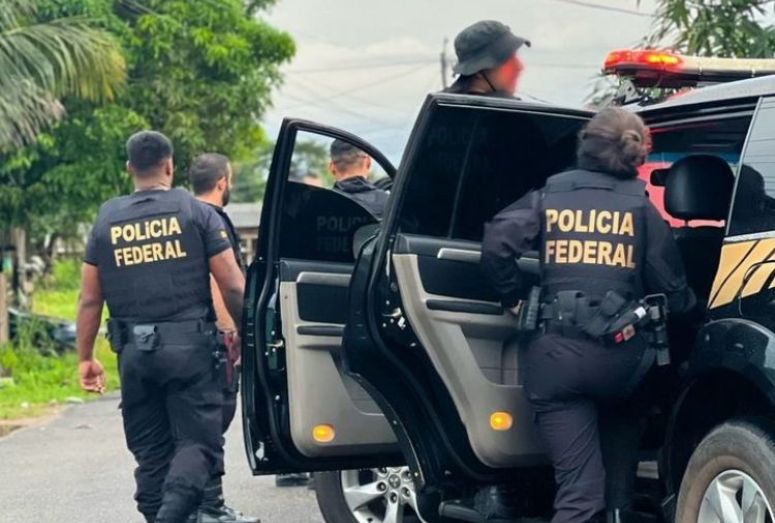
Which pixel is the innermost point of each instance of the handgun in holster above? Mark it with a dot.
(656, 330)
(116, 335)
(529, 312)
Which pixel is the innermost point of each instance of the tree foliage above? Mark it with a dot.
(201, 72)
(44, 59)
(724, 28)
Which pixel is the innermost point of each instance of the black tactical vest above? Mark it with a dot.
(593, 234)
(152, 261)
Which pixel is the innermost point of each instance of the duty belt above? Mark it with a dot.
(148, 335)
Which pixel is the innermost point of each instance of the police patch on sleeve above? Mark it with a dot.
(223, 234)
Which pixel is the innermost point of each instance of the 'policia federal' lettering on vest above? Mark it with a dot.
(591, 252)
(126, 237)
(593, 232)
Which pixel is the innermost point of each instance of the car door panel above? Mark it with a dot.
(472, 343)
(319, 392)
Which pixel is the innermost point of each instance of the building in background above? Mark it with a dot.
(246, 218)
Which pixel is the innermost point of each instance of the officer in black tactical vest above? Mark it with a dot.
(211, 179)
(603, 247)
(350, 168)
(149, 258)
(488, 64)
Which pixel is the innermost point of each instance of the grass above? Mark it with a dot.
(40, 383)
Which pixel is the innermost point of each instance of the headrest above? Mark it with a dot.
(699, 187)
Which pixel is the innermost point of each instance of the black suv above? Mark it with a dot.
(369, 346)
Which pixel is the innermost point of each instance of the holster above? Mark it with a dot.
(116, 335)
(529, 312)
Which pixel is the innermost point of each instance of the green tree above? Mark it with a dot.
(201, 72)
(724, 28)
(44, 60)
(309, 156)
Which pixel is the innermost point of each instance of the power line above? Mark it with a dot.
(354, 67)
(355, 89)
(592, 5)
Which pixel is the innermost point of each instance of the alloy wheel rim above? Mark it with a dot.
(384, 495)
(734, 497)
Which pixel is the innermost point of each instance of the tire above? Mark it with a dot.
(374, 496)
(732, 471)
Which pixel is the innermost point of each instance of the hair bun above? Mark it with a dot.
(631, 136)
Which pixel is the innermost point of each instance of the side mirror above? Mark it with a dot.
(363, 235)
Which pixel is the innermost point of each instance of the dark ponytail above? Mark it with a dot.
(615, 141)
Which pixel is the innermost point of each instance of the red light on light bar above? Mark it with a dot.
(656, 59)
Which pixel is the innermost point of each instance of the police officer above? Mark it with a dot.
(350, 168)
(211, 179)
(149, 257)
(488, 63)
(603, 246)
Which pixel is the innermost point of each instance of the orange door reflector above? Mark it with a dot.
(501, 421)
(323, 433)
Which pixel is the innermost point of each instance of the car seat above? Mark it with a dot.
(699, 187)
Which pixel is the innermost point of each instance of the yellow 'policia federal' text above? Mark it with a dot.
(591, 252)
(160, 228)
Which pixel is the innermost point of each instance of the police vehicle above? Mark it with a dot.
(378, 352)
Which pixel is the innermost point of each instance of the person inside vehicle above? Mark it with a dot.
(759, 211)
(603, 247)
(488, 63)
(351, 168)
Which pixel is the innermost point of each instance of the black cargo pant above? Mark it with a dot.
(213, 494)
(172, 406)
(576, 388)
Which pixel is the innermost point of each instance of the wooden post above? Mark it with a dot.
(3, 309)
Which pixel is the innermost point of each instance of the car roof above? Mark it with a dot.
(741, 89)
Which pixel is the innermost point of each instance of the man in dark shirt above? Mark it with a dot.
(149, 257)
(210, 178)
(351, 168)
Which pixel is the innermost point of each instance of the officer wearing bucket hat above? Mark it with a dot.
(487, 60)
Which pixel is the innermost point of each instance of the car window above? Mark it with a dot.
(474, 162)
(672, 141)
(331, 194)
(754, 204)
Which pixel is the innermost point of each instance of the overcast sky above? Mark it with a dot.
(366, 65)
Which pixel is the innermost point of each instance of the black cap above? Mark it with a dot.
(485, 45)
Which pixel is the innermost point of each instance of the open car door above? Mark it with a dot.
(427, 335)
(301, 411)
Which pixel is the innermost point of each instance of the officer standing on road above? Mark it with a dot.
(149, 257)
(210, 177)
(350, 168)
(487, 60)
(603, 246)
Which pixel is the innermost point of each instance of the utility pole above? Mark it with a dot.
(444, 63)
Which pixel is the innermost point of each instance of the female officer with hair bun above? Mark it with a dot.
(603, 246)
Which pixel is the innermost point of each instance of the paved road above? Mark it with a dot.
(76, 469)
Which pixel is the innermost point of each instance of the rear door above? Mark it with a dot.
(428, 336)
(301, 411)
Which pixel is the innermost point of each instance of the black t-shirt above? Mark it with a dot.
(152, 251)
(366, 193)
(234, 237)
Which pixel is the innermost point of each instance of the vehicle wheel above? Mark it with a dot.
(384, 495)
(730, 477)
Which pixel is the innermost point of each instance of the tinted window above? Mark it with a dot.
(475, 162)
(320, 217)
(672, 141)
(754, 205)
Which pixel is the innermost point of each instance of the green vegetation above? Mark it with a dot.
(201, 72)
(44, 60)
(39, 380)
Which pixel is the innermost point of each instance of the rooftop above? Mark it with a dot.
(244, 215)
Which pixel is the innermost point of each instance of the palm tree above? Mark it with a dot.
(42, 62)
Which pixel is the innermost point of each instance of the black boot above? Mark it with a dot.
(177, 506)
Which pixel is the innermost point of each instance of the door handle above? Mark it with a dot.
(459, 255)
